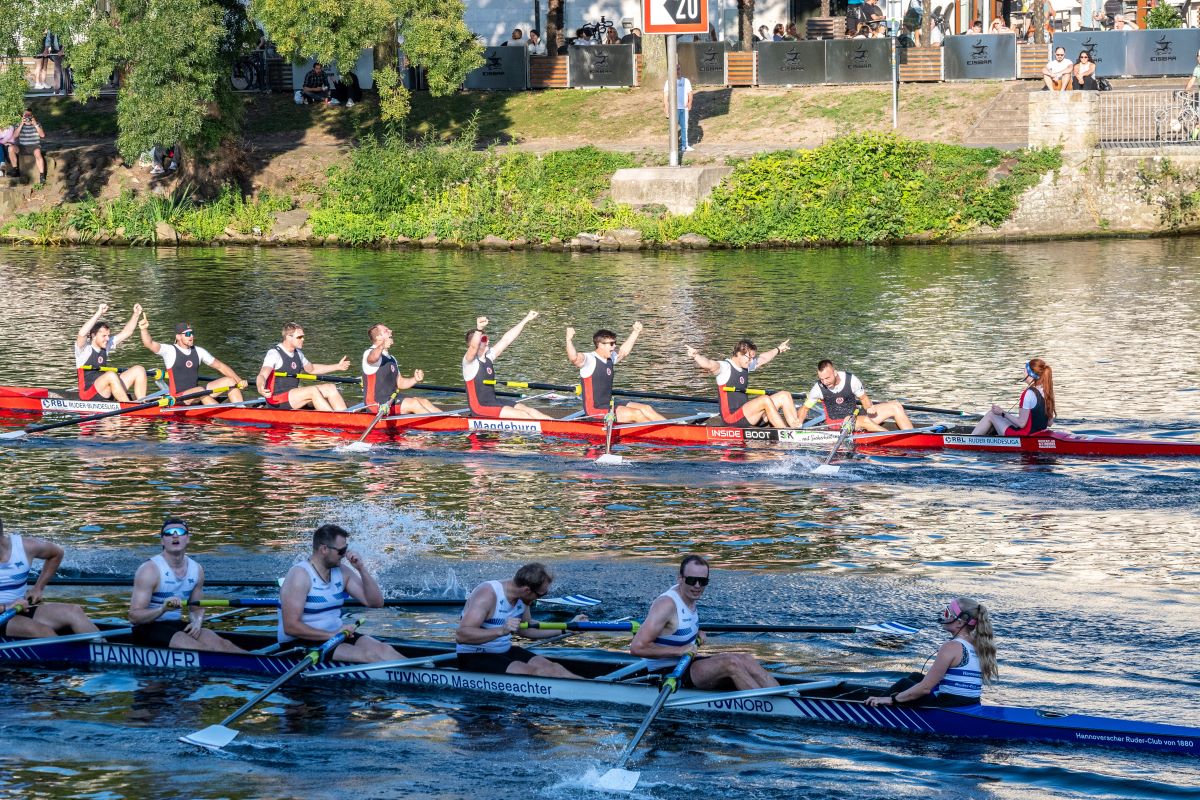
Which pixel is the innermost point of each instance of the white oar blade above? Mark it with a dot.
(609, 460)
(13, 435)
(826, 469)
(570, 600)
(898, 628)
(618, 780)
(214, 737)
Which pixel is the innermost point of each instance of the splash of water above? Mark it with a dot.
(384, 533)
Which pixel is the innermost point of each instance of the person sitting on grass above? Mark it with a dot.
(316, 85)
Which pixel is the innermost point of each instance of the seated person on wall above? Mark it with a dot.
(976, 28)
(517, 38)
(1122, 24)
(28, 139)
(1083, 74)
(1058, 73)
(634, 37)
(316, 85)
(777, 34)
(792, 35)
(763, 35)
(582, 39)
(863, 32)
(873, 15)
(998, 26)
(536, 46)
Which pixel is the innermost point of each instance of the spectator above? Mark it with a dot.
(791, 35)
(28, 138)
(262, 52)
(938, 30)
(763, 35)
(634, 37)
(913, 18)
(976, 27)
(50, 56)
(610, 36)
(683, 105)
(346, 90)
(536, 46)
(1191, 84)
(516, 40)
(316, 85)
(1119, 23)
(777, 34)
(1083, 75)
(1057, 74)
(164, 159)
(8, 157)
(998, 26)
(872, 14)
(582, 39)
(863, 32)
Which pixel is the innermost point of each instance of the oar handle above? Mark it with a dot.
(429, 387)
(953, 412)
(553, 387)
(676, 675)
(305, 376)
(624, 626)
(17, 608)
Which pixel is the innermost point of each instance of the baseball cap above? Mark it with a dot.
(183, 327)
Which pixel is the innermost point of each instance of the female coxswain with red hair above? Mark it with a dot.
(1035, 409)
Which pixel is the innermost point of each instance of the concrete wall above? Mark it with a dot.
(1069, 119)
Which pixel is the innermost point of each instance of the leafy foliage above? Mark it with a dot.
(1163, 15)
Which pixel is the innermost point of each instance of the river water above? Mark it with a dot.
(1089, 566)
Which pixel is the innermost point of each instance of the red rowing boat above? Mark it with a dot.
(18, 400)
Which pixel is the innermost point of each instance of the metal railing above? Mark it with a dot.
(1148, 118)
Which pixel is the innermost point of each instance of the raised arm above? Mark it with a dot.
(706, 364)
(81, 339)
(627, 345)
(573, 355)
(127, 330)
(769, 356)
(325, 369)
(474, 350)
(144, 332)
(363, 586)
(511, 335)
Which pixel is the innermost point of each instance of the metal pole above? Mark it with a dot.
(895, 85)
(673, 96)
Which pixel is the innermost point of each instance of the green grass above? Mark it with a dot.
(64, 116)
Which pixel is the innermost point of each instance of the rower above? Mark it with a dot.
(672, 630)
(596, 375)
(479, 373)
(162, 586)
(961, 666)
(93, 350)
(36, 619)
(738, 408)
(382, 378)
(493, 612)
(310, 600)
(1036, 406)
(837, 392)
(183, 359)
(285, 391)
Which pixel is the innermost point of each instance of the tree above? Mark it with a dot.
(746, 24)
(1163, 16)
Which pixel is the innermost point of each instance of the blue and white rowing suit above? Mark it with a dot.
(965, 680)
(687, 622)
(14, 573)
(323, 605)
(171, 585)
(504, 612)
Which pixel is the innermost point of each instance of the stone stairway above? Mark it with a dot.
(1005, 122)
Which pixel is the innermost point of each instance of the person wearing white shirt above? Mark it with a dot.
(536, 46)
(182, 361)
(839, 392)
(1057, 74)
(683, 106)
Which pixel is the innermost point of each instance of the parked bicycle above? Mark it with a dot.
(249, 73)
(598, 31)
(1179, 121)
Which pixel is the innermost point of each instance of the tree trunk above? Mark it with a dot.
(927, 23)
(1039, 21)
(825, 12)
(746, 24)
(554, 23)
(654, 62)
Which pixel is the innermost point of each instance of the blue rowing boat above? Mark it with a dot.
(618, 678)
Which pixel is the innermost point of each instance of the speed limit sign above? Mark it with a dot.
(675, 16)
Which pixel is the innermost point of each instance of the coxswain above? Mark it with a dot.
(182, 361)
(93, 351)
(479, 373)
(737, 407)
(672, 630)
(285, 391)
(162, 587)
(596, 370)
(494, 612)
(36, 619)
(311, 598)
(1035, 412)
(961, 666)
(382, 379)
(839, 392)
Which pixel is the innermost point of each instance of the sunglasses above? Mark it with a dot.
(695, 580)
(175, 532)
(188, 332)
(536, 593)
(341, 551)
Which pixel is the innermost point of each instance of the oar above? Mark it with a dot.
(73, 637)
(395, 602)
(607, 458)
(953, 412)
(576, 389)
(383, 410)
(827, 468)
(769, 691)
(217, 736)
(304, 376)
(429, 387)
(163, 402)
(898, 628)
(619, 779)
(588, 625)
(12, 612)
(690, 418)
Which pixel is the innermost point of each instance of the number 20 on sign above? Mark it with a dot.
(675, 16)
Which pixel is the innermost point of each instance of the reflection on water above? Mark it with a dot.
(1088, 564)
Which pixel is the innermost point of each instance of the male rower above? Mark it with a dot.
(737, 407)
(479, 373)
(382, 378)
(596, 375)
(672, 629)
(493, 613)
(182, 361)
(165, 584)
(285, 391)
(36, 619)
(311, 598)
(93, 351)
(838, 392)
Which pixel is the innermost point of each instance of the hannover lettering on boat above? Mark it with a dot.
(77, 406)
(984, 441)
(506, 425)
(474, 683)
(143, 656)
(723, 434)
(1127, 738)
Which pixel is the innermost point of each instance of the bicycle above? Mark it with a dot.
(598, 31)
(1179, 121)
(248, 73)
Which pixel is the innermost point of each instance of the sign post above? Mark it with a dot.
(673, 17)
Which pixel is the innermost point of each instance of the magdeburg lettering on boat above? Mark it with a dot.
(506, 425)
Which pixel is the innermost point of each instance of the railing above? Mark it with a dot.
(1154, 118)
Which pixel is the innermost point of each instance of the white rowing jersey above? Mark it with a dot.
(171, 585)
(14, 573)
(504, 611)
(964, 680)
(322, 605)
(687, 622)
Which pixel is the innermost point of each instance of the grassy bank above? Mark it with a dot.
(857, 188)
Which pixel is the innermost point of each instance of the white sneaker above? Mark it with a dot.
(156, 169)
(334, 103)
(349, 103)
(172, 166)
(688, 149)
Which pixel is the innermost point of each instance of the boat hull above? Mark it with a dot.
(823, 705)
(28, 400)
